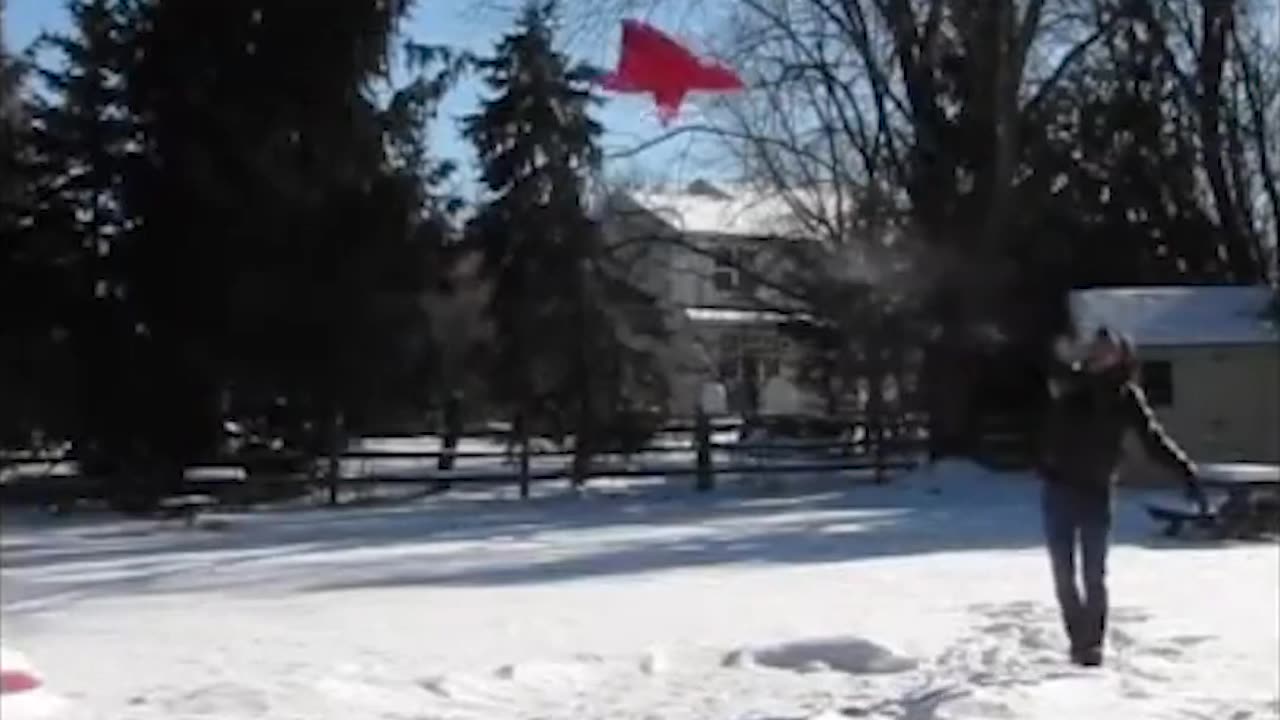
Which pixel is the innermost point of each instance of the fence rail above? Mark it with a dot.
(1007, 441)
(698, 450)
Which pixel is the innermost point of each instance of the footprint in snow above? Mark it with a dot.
(851, 656)
(1190, 641)
(1129, 615)
(218, 700)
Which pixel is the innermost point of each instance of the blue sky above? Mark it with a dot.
(628, 121)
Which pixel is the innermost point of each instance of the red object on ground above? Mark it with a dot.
(15, 681)
(652, 62)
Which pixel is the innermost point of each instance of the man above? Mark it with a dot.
(1094, 403)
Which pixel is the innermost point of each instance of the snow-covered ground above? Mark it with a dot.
(926, 599)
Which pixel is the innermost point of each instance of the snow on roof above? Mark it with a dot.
(707, 210)
(705, 214)
(1179, 315)
(731, 315)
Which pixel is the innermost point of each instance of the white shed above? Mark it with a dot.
(1210, 363)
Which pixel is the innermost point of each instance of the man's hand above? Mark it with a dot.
(1195, 493)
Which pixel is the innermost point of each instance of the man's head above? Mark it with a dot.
(1102, 352)
(1107, 351)
(1105, 356)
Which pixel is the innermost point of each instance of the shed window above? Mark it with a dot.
(1157, 382)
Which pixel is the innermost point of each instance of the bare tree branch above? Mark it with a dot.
(1263, 132)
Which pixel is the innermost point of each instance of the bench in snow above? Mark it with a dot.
(185, 507)
(1240, 517)
(1251, 507)
(1176, 518)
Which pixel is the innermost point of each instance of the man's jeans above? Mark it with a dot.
(1079, 518)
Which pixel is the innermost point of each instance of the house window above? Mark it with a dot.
(730, 356)
(724, 279)
(1157, 382)
(730, 345)
(727, 369)
(725, 275)
(772, 366)
(746, 280)
(728, 275)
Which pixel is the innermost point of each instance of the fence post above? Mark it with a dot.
(452, 422)
(522, 437)
(878, 449)
(335, 456)
(702, 443)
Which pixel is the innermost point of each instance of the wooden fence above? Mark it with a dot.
(702, 451)
(1006, 441)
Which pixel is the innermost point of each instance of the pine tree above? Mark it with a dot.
(230, 210)
(68, 236)
(302, 207)
(10, 80)
(557, 306)
(11, 139)
(20, 334)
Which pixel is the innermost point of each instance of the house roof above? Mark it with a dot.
(732, 315)
(742, 316)
(703, 209)
(1184, 315)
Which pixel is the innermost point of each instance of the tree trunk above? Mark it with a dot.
(585, 430)
(950, 379)
(521, 429)
(1216, 24)
(581, 458)
(876, 421)
(1259, 137)
(452, 422)
(702, 443)
(336, 437)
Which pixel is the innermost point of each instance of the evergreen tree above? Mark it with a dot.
(11, 138)
(301, 205)
(17, 339)
(229, 209)
(10, 81)
(560, 310)
(65, 238)
(8, 77)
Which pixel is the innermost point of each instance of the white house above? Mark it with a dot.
(1210, 363)
(690, 249)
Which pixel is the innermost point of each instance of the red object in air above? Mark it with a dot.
(16, 681)
(652, 62)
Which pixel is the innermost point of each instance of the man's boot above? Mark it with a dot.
(1092, 632)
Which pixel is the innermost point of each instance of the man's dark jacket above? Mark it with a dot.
(1083, 439)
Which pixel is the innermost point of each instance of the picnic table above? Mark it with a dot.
(1249, 508)
(185, 507)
